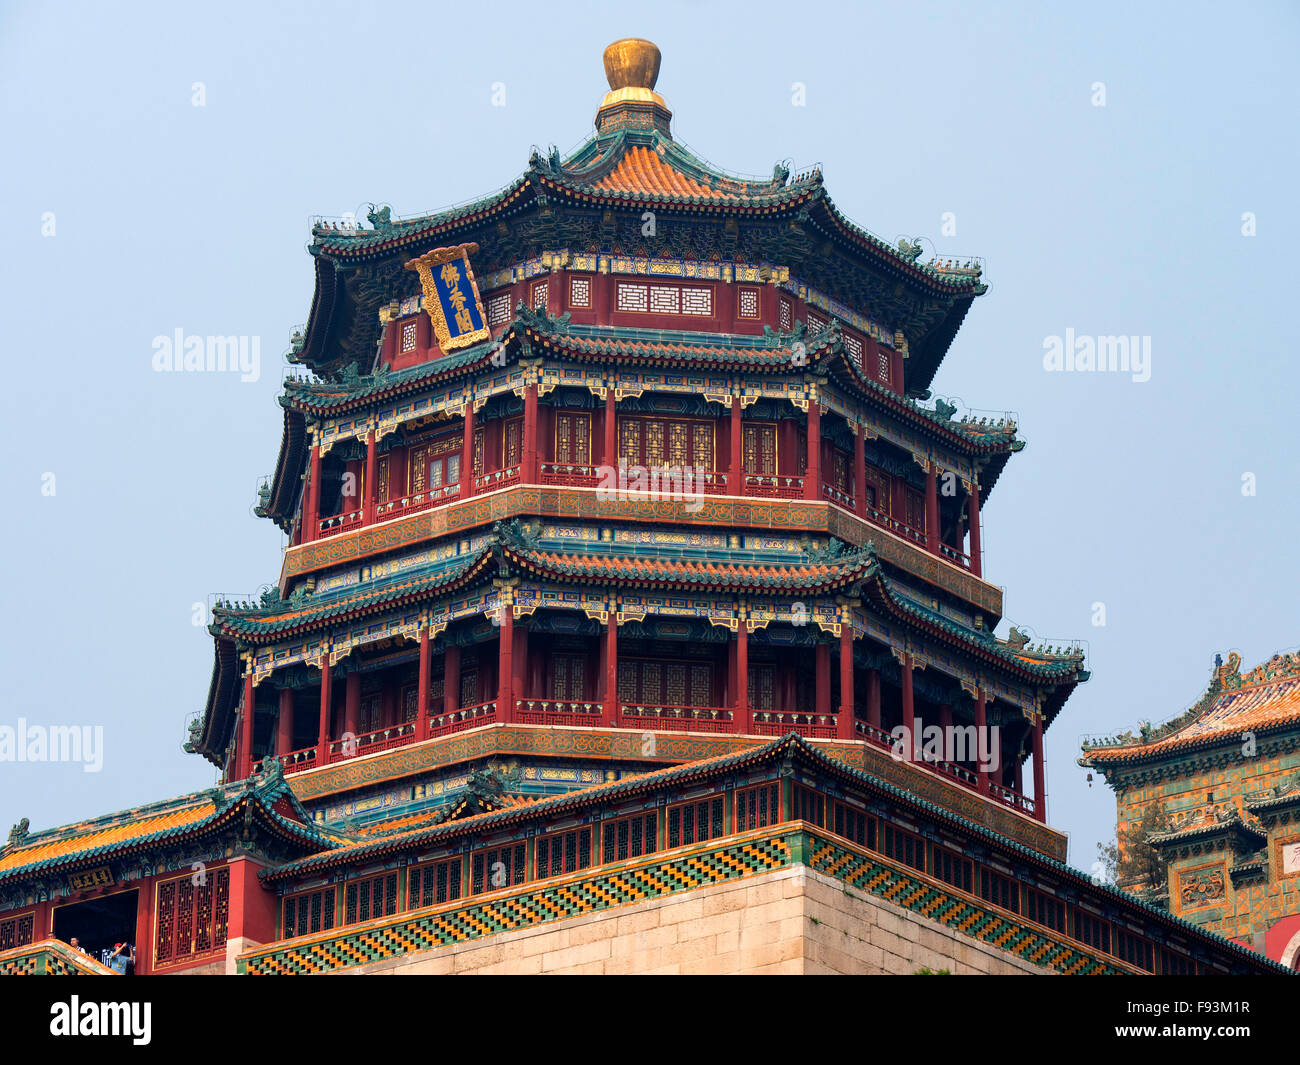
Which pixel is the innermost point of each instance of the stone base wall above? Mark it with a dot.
(788, 921)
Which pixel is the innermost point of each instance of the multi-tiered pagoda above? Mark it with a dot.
(627, 565)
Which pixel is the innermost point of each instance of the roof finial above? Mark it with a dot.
(632, 68)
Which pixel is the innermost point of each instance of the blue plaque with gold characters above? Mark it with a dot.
(451, 296)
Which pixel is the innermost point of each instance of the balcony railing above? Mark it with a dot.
(715, 483)
(774, 487)
(396, 508)
(490, 482)
(557, 712)
(779, 722)
(879, 517)
(843, 499)
(459, 720)
(297, 761)
(337, 523)
(1012, 798)
(568, 474)
(677, 718)
(953, 555)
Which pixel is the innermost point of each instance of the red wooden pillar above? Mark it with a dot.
(467, 449)
(352, 702)
(372, 477)
(602, 285)
(873, 698)
(740, 700)
(312, 498)
(822, 662)
(609, 711)
(323, 736)
(245, 760)
(422, 702)
(812, 480)
(284, 723)
(909, 714)
(981, 732)
(931, 509)
(860, 471)
(846, 728)
(736, 467)
(609, 456)
(973, 516)
(505, 660)
(144, 941)
(528, 474)
(1040, 783)
(451, 679)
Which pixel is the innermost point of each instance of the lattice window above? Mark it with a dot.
(758, 807)
(816, 323)
(469, 687)
(374, 896)
(951, 868)
(758, 447)
(697, 301)
(478, 452)
(498, 309)
(678, 433)
(539, 296)
(1090, 929)
(513, 447)
(410, 703)
(312, 911)
(761, 686)
(882, 365)
(633, 297)
(408, 336)
(434, 883)
(701, 686)
(417, 471)
(17, 931)
(999, 890)
(915, 510)
(563, 852)
(694, 822)
(381, 486)
(747, 303)
(855, 825)
(627, 682)
(654, 443)
(903, 846)
(665, 299)
(675, 684)
(573, 439)
(371, 711)
(787, 314)
(630, 837)
(498, 867)
(569, 677)
(703, 446)
(192, 918)
(629, 441)
(854, 347)
(839, 470)
(579, 292)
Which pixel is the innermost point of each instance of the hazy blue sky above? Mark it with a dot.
(1116, 219)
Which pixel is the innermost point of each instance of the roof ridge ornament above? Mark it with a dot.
(632, 68)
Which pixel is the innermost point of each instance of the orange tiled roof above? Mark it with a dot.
(1266, 697)
(90, 837)
(641, 170)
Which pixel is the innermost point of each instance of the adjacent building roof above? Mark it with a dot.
(1265, 699)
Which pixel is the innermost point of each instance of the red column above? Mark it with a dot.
(352, 702)
(909, 715)
(1040, 784)
(422, 703)
(528, 475)
(323, 736)
(602, 285)
(860, 471)
(451, 679)
(311, 500)
(931, 509)
(873, 698)
(505, 662)
(740, 701)
(822, 661)
(284, 723)
(981, 730)
(736, 467)
(245, 760)
(372, 476)
(846, 728)
(144, 930)
(467, 451)
(609, 456)
(973, 516)
(812, 480)
(610, 712)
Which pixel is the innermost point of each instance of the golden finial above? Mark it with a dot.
(632, 62)
(632, 68)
